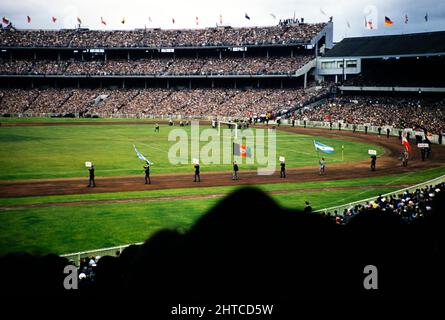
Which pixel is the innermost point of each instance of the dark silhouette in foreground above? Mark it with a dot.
(249, 247)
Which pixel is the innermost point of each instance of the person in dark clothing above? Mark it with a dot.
(379, 130)
(293, 121)
(366, 129)
(423, 153)
(156, 127)
(387, 132)
(354, 128)
(330, 125)
(235, 171)
(282, 169)
(440, 138)
(147, 174)
(91, 182)
(339, 126)
(373, 162)
(305, 123)
(307, 208)
(197, 176)
(400, 134)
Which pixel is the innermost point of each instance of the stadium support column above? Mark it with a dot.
(305, 80)
(123, 84)
(281, 84)
(190, 84)
(128, 55)
(267, 54)
(105, 57)
(292, 53)
(220, 54)
(145, 84)
(234, 85)
(168, 84)
(58, 56)
(78, 83)
(213, 84)
(35, 55)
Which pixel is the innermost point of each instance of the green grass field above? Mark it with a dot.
(61, 151)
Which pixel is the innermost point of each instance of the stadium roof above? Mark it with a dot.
(414, 44)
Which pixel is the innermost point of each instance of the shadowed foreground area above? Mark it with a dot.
(249, 247)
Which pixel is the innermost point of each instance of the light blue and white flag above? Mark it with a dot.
(322, 147)
(140, 156)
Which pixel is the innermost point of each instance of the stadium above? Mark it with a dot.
(121, 101)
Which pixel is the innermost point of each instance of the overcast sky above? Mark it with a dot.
(137, 14)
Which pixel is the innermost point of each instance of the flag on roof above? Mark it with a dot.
(197, 20)
(246, 16)
(5, 20)
(322, 147)
(78, 20)
(54, 19)
(28, 18)
(406, 18)
(426, 17)
(388, 21)
(103, 21)
(220, 19)
(273, 16)
(123, 20)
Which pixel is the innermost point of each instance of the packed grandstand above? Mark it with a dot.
(222, 71)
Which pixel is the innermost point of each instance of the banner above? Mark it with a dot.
(141, 157)
(322, 147)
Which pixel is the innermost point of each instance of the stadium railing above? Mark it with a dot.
(359, 128)
(111, 251)
(340, 208)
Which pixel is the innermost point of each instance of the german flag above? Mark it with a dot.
(388, 21)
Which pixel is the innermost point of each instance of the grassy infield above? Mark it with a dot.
(37, 152)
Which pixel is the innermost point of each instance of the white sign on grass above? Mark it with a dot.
(88, 164)
(372, 152)
(195, 161)
(282, 159)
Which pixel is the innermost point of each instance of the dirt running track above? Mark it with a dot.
(388, 164)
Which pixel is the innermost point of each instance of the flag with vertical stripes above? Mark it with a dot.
(242, 150)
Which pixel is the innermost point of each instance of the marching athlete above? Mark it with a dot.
(197, 176)
(91, 182)
(147, 173)
(235, 171)
(282, 169)
(322, 166)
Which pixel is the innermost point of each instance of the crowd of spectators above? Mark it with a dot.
(179, 66)
(153, 101)
(284, 34)
(399, 112)
(409, 206)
